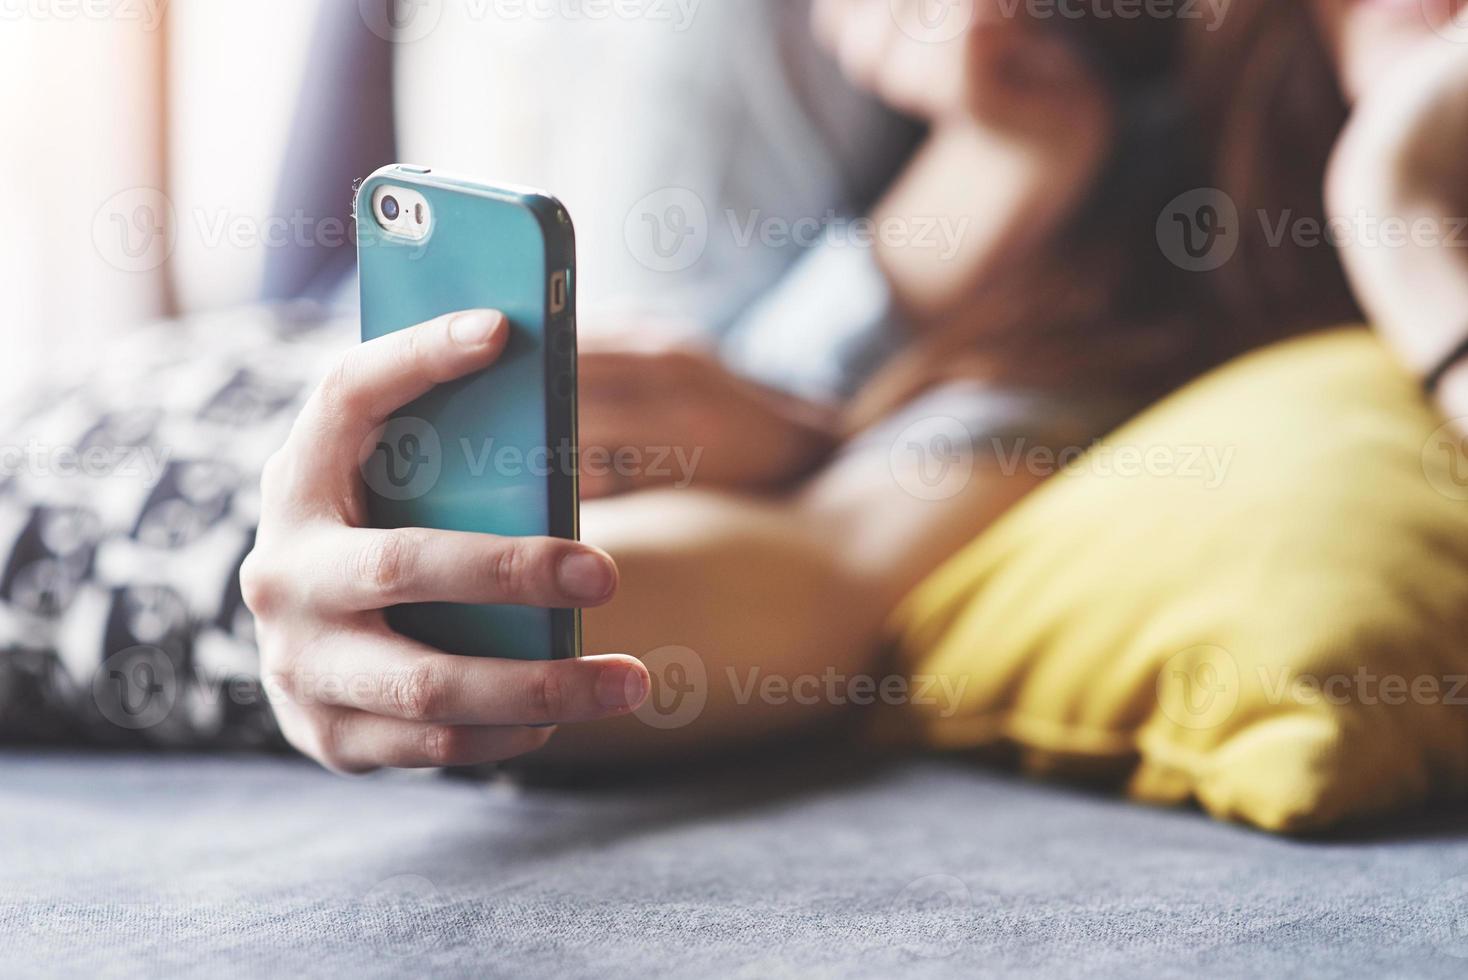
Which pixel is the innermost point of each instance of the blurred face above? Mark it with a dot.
(1367, 37)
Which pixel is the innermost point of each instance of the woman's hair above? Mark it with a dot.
(1268, 110)
(1250, 109)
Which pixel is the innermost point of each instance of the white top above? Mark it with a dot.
(681, 140)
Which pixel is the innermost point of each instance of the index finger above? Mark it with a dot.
(373, 381)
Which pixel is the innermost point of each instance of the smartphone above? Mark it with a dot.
(494, 453)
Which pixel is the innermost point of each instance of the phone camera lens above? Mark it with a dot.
(390, 209)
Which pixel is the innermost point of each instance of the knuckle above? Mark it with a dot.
(279, 684)
(286, 666)
(327, 740)
(339, 392)
(259, 585)
(416, 693)
(292, 728)
(386, 564)
(509, 568)
(330, 745)
(412, 350)
(335, 385)
(273, 475)
(547, 695)
(445, 745)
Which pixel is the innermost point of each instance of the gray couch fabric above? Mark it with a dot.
(137, 865)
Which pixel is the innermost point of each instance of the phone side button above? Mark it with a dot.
(564, 341)
(564, 387)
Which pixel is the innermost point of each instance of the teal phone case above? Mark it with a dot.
(494, 453)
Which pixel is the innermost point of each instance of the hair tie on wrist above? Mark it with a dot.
(1433, 378)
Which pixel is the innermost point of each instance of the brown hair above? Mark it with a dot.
(1269, 110)
(1251, 109)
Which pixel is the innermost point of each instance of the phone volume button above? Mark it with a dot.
(564, 387)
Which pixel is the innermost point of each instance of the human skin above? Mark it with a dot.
(793, 588)
(796, 584)
(763, 562)
(801, 584)
(1405, 69)
(346, 689)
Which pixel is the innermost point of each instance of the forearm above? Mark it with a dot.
(746, 591)
(793, 592)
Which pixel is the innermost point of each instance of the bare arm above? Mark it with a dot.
(792, 588)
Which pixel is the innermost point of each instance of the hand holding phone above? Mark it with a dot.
(494, 452)
(347, 689)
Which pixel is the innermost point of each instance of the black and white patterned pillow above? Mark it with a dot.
(128, 498)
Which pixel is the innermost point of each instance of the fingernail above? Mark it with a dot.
(587, 576)
(474, 328)
(621, 686)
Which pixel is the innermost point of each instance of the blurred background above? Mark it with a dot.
(174, 156)
(113, 103)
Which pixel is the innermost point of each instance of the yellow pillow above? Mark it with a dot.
(1254, 596)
